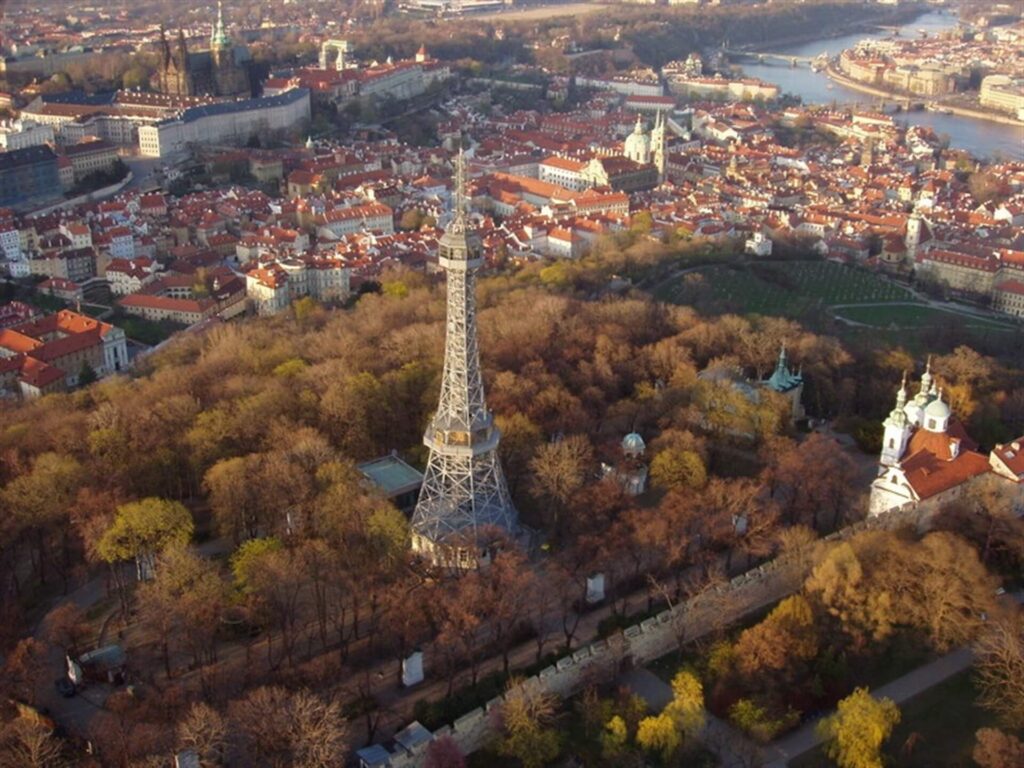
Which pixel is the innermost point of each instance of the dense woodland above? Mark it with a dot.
(243, 440)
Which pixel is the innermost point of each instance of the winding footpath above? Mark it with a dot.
(899, 690)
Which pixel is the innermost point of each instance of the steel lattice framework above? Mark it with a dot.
(464, 490)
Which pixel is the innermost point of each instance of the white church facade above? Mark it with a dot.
(928, 458)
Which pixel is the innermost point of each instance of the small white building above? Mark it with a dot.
(758, 245)
(127, 276)
(369, 217)
(267, 290)
(563, 171)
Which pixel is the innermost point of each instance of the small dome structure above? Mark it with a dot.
(936, 415)
(633, 445)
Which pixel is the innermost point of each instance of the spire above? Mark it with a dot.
(782, 379)
(898, 416)
(897, 428)
(165, 45)
(926, 378)
(219, 38)
(182, 51)
(639, 128)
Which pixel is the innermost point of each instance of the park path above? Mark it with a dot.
(974, 313)
(899, 690)
(732, 748)
(76, 714)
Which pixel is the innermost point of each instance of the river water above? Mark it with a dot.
(982, 138)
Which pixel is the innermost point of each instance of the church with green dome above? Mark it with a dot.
(787, 383)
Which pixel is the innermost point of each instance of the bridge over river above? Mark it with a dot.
(820, 61)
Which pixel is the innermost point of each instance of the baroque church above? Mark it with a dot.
(928, 458)
(641, 166)
(223, 70)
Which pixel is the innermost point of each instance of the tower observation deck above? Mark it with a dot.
(464, 496)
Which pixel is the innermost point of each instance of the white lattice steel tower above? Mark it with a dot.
(464, 489)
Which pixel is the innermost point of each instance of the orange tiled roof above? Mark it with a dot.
(1012, 456)
(929, 475)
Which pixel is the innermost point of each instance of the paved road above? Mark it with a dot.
(899, 690)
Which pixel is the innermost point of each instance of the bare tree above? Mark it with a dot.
(1000, 668)
(28, 744)
(203, 730)
(277, 727)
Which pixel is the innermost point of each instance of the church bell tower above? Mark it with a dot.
(897, 429)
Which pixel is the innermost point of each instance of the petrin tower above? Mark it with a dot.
(464, 491)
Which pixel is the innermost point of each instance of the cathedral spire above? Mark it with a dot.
(219, 38)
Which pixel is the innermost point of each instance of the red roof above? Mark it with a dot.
(143, 301)
(938, 461)
(38, 374)
(1012, 457)
(1011, 286)
(929, 475)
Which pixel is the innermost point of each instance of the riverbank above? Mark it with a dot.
(856, 85)
(890, 18)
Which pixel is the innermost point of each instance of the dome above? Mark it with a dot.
(633, 444)
(936, 415)
(937, 409)
(637, 146)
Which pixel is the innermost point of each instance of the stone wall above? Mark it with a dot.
(655, 637)
(88, 197)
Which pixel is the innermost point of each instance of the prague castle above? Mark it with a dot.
(223, 70)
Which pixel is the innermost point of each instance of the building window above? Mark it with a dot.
(931, 423)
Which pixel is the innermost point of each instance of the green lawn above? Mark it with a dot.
(937, 729)
(796, 288)
(788, 288)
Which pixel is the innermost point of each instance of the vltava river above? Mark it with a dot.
(982, 138)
